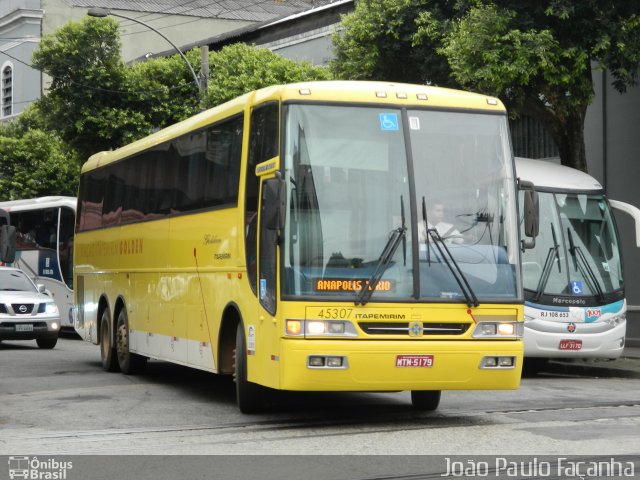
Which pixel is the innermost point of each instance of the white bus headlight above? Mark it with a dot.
(498, 330)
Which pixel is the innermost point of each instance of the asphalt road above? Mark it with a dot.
(60, 402)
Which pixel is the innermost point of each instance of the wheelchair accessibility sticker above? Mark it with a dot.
(389, 121)
(576, 287)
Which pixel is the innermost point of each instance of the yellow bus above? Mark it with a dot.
(287, 238)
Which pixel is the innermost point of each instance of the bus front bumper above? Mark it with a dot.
(399, 365)
(595, 340)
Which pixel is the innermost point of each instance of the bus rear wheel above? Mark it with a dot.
(129, 363)
(249, 396)
(107, 350)
(425, 401)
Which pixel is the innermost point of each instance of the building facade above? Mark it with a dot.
(24, 22)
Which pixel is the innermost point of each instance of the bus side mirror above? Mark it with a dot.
(531, 210)
(7, 243)
(274, 197)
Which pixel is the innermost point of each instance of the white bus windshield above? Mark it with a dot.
(349, 171)
(578, 236)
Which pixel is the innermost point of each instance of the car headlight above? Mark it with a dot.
(498, 330)
(51, 309)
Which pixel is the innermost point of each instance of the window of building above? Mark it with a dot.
(7, 91)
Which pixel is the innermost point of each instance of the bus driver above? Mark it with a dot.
(435, 219)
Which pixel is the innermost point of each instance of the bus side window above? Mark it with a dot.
(263, 145)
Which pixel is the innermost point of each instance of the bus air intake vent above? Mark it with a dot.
(382, 328)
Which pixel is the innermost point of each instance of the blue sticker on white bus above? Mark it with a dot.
(389, 121)
(576, 287)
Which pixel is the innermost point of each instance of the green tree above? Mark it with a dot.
(537, 56)
(35, 162)
(376, 42)
(88, 100)
(239, 68)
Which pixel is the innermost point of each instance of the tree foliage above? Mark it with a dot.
(88, 102)
(35, 162)
(535, 55)
(239, 68)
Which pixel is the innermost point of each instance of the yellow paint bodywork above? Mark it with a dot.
(177, 276)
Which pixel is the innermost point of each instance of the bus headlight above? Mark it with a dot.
(319, 328)
(498, 330)
(617, 320)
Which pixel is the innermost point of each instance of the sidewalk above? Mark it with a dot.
(631, 352)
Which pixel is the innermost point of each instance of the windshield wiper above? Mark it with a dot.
(548, 265)
(438, 241)
(388, 251)
(583, 265)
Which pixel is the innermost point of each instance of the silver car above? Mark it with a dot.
(26, 311)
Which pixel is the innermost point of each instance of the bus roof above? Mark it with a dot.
(39, 203)
(362, 92)
(547, 175)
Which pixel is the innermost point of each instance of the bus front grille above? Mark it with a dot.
(428, 328)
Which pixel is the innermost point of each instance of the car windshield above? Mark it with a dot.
(14, 280)
(354, 219)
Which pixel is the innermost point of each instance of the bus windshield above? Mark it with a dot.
(358, 176)
(578, 236)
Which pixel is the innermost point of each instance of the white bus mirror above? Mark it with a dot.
(531, 210)
(7, 243)
(630, 210)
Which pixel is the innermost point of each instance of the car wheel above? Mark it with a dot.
(249, 396)
(46, 343)
(129, 363)
(107, 350)
(425, 400)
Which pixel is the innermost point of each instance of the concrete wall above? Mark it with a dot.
(612, 136)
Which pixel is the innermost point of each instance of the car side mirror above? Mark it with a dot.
(41, 288)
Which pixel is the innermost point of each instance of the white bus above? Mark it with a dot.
(574, 288)
(44, 240)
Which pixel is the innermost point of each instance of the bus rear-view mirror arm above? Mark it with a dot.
(531, 212)
(630, 210)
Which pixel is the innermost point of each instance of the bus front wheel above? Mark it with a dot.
(129, 363)
(107, 350)
(425, 401)
(250, 396)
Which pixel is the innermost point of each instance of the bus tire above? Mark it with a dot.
(249, 396)
(46, 343)
(107, 350)
(531, 366)
(425, 400)
(129, 363)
